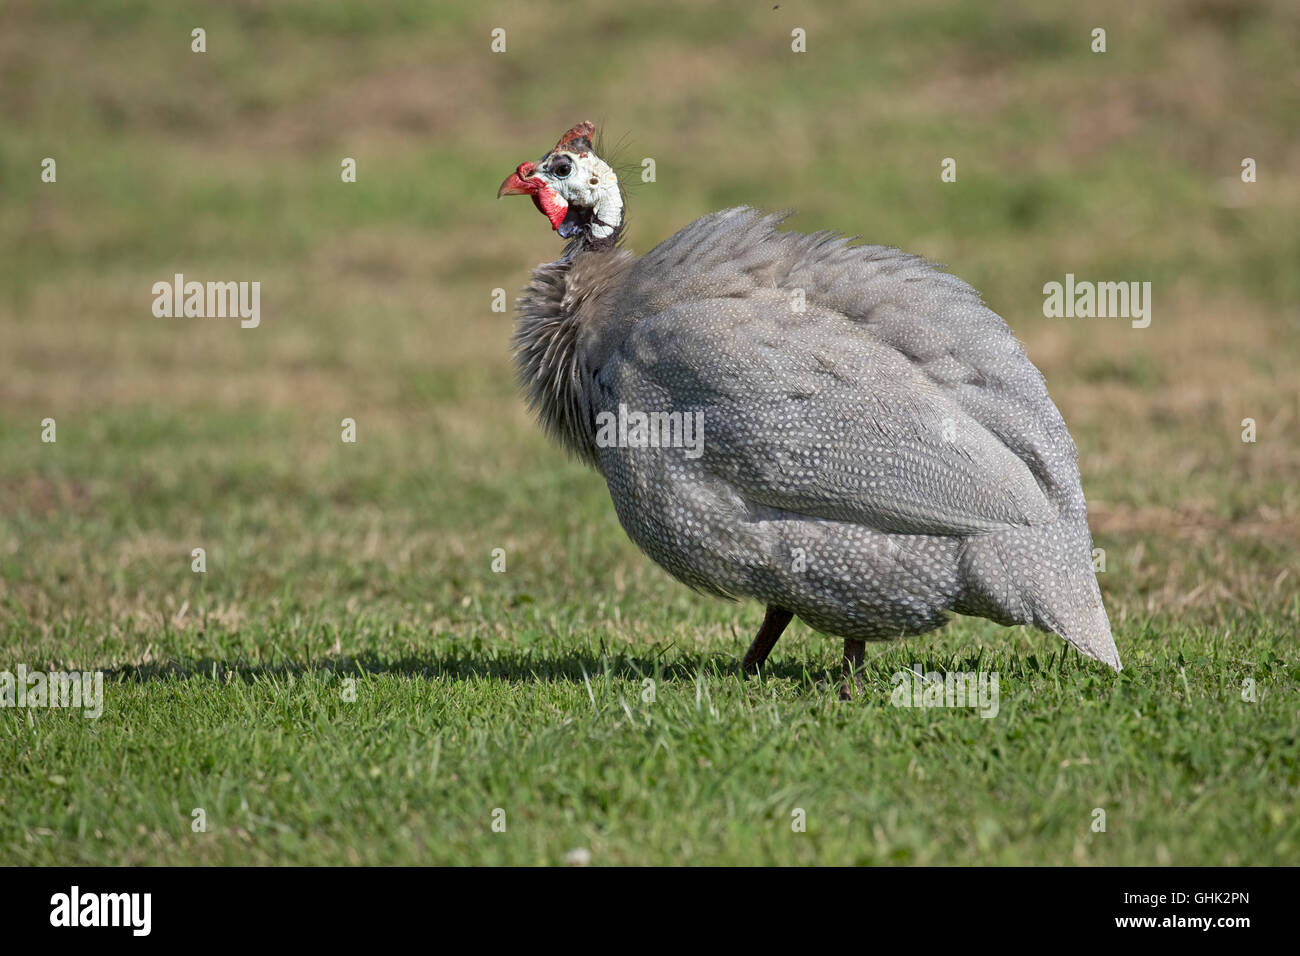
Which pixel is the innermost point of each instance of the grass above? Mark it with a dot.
(558, 733)
(351, 681)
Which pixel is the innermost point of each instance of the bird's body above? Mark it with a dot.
(874, 449)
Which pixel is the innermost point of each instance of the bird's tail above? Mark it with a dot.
(1072, 608)
(1042, 576)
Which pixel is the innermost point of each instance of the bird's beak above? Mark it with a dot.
(516, 183)
(526, 181)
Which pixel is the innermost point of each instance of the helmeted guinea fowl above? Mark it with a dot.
(876, 451)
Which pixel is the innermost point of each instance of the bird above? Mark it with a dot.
(842, 432)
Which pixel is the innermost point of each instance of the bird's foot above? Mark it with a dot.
(774, 622)
(854, 652)
(852, 687)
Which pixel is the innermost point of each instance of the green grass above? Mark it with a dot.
(524, 690)
(447, 728)
(367, 568)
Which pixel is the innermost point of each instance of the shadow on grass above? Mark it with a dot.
(518, 666)
(579, 666)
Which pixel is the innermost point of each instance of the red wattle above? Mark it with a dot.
(550, 205)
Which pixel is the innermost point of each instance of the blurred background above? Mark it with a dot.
(376, 295)
(376, 300)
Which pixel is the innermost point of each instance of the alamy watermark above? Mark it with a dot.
(210, 300)
(79, 689)
(130, 910)
(974, 689)
(631, 429)
(1099, 300)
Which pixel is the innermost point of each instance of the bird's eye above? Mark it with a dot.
(561, 169)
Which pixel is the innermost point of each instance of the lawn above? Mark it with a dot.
(351, 680)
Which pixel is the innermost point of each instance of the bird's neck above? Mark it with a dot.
(559, 340)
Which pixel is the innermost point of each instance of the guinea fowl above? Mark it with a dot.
(874, 448)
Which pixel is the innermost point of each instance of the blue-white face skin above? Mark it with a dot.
(573, 187)
(588, 187)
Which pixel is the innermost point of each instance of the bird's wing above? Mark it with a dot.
(809, 413)
(932, 319)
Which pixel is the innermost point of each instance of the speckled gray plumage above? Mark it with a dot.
(871, 463)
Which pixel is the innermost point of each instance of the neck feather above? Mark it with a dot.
(563, 308)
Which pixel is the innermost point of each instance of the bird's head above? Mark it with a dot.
(572, 187)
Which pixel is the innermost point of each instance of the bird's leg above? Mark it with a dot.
(774, 623)
(854, 651)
